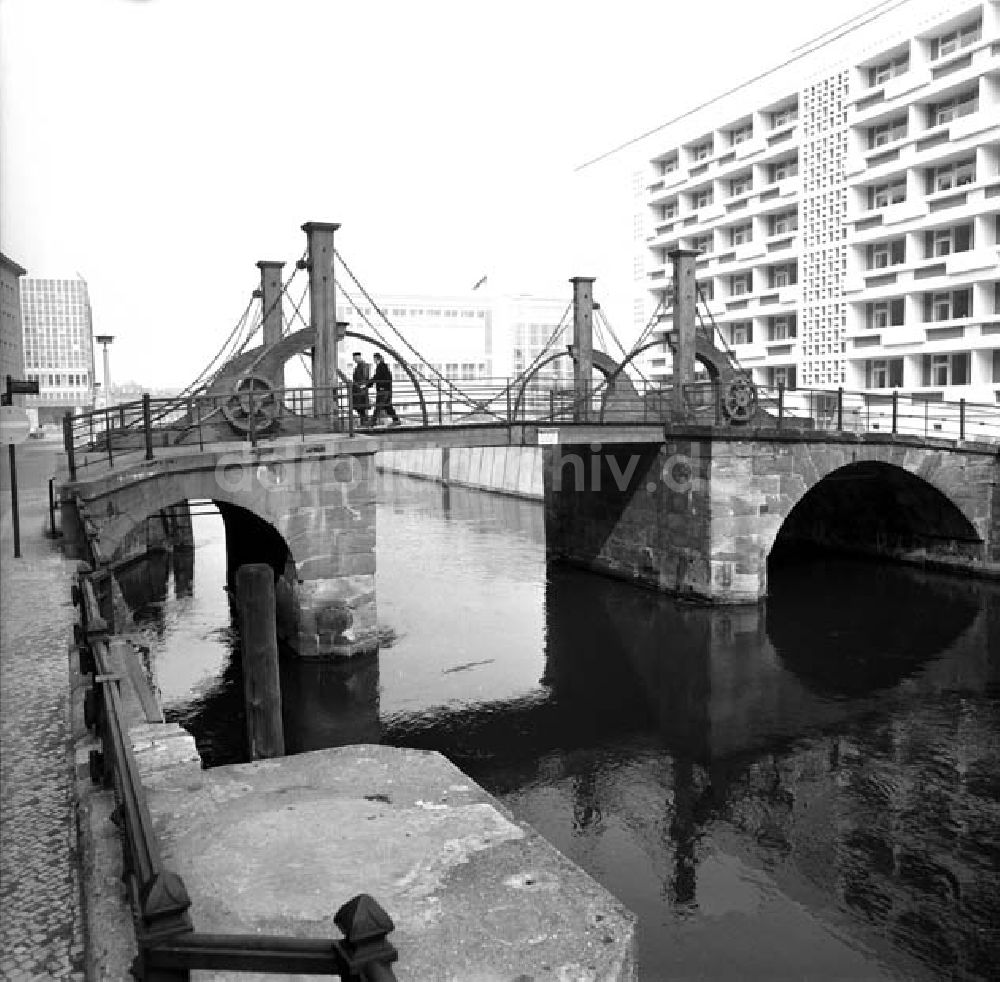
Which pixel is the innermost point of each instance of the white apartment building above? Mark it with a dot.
(846, 206)
(463, 338)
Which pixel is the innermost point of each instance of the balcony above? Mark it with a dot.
(904, 211)
(973, 260)
(893, 337)
(903, 84)
(749, 250)
(974, 123)
(750, 148)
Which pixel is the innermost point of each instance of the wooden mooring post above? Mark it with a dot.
(259, 647)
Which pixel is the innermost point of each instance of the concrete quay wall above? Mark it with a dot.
(277, 846)
(513, 470)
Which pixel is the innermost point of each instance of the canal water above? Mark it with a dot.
(806, 790)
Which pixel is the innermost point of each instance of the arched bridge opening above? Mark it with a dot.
(878, 510)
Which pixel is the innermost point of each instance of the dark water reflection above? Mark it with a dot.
(810, 789)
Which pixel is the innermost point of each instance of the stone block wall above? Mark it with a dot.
(699, 516)
(319, 500)
(892, 509)
(635, 511)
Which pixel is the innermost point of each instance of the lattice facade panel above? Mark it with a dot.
(823, 321)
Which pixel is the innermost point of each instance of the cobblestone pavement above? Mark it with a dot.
(41, 921)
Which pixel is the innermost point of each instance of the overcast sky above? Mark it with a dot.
(161, 147)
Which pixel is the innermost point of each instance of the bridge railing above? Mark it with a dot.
(148, 425)
(168, 945)
(152, 426)
(892, 412)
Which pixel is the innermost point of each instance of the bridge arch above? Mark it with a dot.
(240, 485)
(871, 506)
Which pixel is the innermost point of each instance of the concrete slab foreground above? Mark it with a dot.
(277, 846)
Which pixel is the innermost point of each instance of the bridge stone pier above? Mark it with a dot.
(306, 508)
(700, 512)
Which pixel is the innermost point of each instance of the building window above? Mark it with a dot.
(884, 313)
(947, 305)
(784, 223)
(949, 109)
(701, 151)
(884, 373)
(781, 328)
(702, 199)
(883, 133)
(949, 369)
(741, 332)
(880, 255)
(669, 210)
(668, 166)
(741, 134)
(782, 117)
(781, 276)
(740, 234)
(946, 44)
(740, 185)
(952, 175)
(781, 170)
(703, 243)
(741, 283)
(705, 289)
(881, 73)
(883, 195)
(945, 241)
(781, 375)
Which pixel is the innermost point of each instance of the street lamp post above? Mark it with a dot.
(105, 340)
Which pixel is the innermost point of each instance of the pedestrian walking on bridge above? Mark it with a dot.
(382, 380)
(359, 388)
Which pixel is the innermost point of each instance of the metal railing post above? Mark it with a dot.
(68, 445)
(840, 408)
(107, 436)
(147, 425)
(781, 404)
(927, 407)
(350, 414)
(961, 418)
(895, 410)
(440, 406)
(508, 410)
(52, 507)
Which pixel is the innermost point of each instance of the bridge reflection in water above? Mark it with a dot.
(839, 746)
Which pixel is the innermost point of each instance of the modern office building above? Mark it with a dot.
(465, 338)
(58, 345)
(11, 337)
(846, 206)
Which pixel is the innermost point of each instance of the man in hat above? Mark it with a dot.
(382, 380)
(359, 388)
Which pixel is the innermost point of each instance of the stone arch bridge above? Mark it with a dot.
(702, 512)
(696, 511)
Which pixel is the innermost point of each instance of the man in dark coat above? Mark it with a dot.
(382, 380)
(359, 388)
